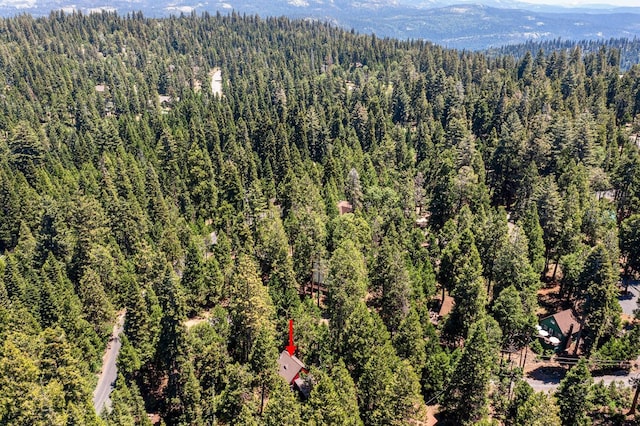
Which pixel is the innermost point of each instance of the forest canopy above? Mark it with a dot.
(207, 173)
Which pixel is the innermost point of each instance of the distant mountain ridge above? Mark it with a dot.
(459, 24)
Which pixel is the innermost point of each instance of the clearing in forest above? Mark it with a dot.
(216, 81)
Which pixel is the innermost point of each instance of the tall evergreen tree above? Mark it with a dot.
(574, 396)
(468, 394)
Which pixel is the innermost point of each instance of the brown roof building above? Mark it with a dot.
(563, 325)
(344, 207)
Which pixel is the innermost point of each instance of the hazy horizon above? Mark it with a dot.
(579, 3)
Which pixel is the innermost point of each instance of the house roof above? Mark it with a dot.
(565, 319)
(289, 366)
(344, 207)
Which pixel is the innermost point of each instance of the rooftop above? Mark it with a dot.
(289, 366)
(344, 207)
(565, 319)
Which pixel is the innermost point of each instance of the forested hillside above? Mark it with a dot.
(628, 49)
(130, 178)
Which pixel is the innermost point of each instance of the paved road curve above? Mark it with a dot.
(109, 371)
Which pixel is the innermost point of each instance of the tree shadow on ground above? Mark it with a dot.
(548, 374)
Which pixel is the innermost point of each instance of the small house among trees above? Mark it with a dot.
(290, 367)
(344, 207)
(560, 329)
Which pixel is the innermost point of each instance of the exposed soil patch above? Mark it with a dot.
(192, 322)
(550, 302)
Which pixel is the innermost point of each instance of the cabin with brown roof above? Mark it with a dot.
(344, 207)
(560, 329)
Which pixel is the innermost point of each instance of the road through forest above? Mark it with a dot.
(549, 381)
(109, 371)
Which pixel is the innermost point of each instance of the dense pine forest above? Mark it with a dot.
(134, 181)
(628, 49)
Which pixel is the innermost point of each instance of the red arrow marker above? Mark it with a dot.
(291, 348)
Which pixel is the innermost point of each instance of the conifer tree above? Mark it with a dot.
(347, 284)
(533, 231)
(468, 393)
(333, 398)
(574, 396)
(282, 408)
(250, 308)
(390, 279)
(193, 278)
(600, 306)
(532, 408)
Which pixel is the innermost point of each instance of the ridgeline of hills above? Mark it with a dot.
(461, 26)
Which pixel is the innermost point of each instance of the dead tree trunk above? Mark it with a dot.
(634, 404)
